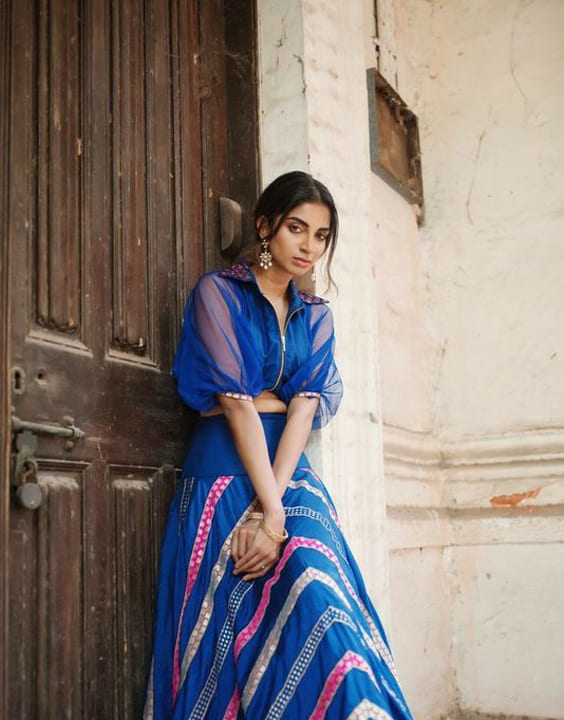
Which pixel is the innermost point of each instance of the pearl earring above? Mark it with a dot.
(265, 258)
(313, 274)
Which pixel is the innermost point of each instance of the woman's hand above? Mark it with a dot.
(262, 552)
(243, 538)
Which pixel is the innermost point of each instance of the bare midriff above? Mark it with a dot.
(265, 402)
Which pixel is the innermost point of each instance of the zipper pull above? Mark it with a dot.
(283, 343)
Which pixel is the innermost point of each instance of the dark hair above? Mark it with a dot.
(288, 191)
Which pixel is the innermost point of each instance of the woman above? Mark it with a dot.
(262, 611)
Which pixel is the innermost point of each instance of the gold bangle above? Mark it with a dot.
(255, 516)
(272, 534)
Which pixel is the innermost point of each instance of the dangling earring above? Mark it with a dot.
(313, 275)
(265, 258)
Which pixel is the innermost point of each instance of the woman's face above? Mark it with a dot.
(301, 239)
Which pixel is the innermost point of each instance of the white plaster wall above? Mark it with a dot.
(507, 610)
(417, 527)
(282, 102)
(418, 592)
(484, 79)
(405, 339)
(449, 338)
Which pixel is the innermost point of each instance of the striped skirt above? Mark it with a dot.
(303, 641)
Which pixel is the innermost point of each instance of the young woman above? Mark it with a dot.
(262, 611)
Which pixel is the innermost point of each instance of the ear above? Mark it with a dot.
(263, 228)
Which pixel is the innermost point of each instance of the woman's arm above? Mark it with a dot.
(253, 551)
(250, 441)
(301, 411)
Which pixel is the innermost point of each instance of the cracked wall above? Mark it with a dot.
(485, 81)
(446, 458)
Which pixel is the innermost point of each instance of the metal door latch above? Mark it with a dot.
(23, 476)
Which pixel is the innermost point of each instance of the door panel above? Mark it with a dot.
(119, 141)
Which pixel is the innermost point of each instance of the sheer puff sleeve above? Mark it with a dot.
(215, 354)
(318, 375)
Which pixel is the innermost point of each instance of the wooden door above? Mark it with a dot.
(121, 123)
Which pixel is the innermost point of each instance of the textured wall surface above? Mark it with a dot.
(446, 460)
(485, 80)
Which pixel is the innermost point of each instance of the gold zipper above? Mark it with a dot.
(283, 344)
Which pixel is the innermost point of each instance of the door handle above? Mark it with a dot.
(230, 226)
(23, 478)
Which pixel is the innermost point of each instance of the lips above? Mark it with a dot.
(301, 262)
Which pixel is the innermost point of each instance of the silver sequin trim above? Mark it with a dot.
(367, 710)
(261, 663)
(305, 656)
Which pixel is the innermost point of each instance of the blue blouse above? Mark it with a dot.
(232, 343)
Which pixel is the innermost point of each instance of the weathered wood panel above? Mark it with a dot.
(99, 632)
(130, 292)
(161, 229)
(213, 108)
(241, 82)
(114, 156)
(22, 120)
(134, 583)
(163, 484)
(59, 149)
(5, 384)
(22, 619)
(96, 160)
(186, 136)
(59, 596)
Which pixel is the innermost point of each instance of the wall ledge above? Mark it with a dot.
(480, 490)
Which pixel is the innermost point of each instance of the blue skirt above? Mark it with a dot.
(302, 641)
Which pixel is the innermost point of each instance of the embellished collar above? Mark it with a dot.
(243, 271)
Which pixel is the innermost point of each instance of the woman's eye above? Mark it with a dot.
(295, 228)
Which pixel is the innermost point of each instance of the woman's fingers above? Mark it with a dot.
(242, 539)
(245, 544)
(248, 532)
(257, 569)
(248, 560)
(257, 574)
(263, 552)
(235, 553)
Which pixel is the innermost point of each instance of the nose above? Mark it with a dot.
(306, 244)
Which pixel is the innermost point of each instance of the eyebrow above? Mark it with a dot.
(303, 222)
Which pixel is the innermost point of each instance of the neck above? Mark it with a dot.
(273, 281)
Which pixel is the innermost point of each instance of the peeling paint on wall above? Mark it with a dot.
(515, 498)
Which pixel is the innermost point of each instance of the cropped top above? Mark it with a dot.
(232, 342)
